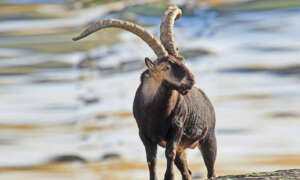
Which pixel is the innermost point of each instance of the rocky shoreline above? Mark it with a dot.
(280, 174)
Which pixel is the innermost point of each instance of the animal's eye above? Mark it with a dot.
(166, 68)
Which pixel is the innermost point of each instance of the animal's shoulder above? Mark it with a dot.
(197, 93)
(197, 98)
(202, 93)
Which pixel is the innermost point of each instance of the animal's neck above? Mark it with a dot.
(159, 99)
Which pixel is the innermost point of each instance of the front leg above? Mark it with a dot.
(175, 135)
(151, 150)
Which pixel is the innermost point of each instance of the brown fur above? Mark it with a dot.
(170, 112)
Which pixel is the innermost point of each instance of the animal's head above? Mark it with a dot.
(169, 67)
(171, 73)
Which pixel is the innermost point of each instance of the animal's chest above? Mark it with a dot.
(157, 129)
(148, 91)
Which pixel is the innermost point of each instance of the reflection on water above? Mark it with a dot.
(66, 106)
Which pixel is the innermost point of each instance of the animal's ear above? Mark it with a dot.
(149, 64)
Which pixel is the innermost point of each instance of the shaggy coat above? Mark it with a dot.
(174, 117)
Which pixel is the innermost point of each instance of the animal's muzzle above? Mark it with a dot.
(184, 88)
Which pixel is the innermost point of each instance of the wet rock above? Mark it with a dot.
(131, 65)
(88, 97)
(197, 176)
(67, 159)
(61, 80)
(153, 10)
(10, 71)
(192, 53)
(267, 28)
(232, 131)
(284, 115)
(268, 49)
(89, 100)
(288, 70)
(248, 96)
(7, 141)
(256, 5)
(280, 174)
(108, 70)
(51, 65)
(110, 156)
(122, 67)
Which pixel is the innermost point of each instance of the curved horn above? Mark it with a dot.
(166, 29)
(152, 41)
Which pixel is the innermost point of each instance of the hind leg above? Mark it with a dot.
(181, 164)
(208, 149)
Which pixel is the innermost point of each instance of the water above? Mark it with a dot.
(70, 102)
(34, 1)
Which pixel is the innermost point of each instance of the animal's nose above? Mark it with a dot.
(190, 80)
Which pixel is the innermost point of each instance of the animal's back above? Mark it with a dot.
(201, 115)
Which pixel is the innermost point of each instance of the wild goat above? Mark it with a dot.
(168, 109)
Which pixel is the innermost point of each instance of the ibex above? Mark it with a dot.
(168, 109)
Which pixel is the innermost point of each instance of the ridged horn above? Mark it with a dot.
(166, 29)
(152, 41)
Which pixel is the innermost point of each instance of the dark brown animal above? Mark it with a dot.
(168, 109)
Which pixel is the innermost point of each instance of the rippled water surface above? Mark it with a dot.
(65, 109)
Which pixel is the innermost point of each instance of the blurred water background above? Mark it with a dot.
(65, 109)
